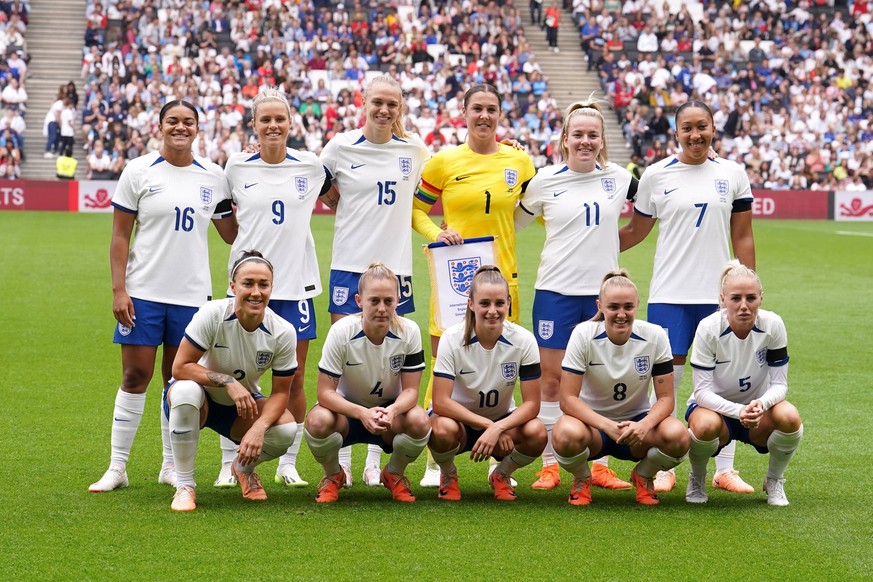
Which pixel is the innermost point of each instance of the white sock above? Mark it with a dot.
(277, 440)
(406, 450)
(345, 456)
(724, 460)
(290, 457)
(514, 460)
(550, 412)
(228, 450)
(446, 461)
(374, 454)
(326, 451)
(184, 434)
(125, 422)
(656, 460)
(603, 461)
(167, 447)
(678, 372)
(699, 454)
(577, 465)
(782, 446)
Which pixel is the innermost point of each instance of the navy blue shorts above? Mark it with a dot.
(736, 430)
(555, 316)
(219, 417)
(615, 450)
(473, 435)
(344, 285)
(358, 434)
(299, 313)
(156, 324)
(680, 321)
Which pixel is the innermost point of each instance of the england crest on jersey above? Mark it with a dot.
(395, 363)
(205, 195)
(301, 183)
(642, 364)
(761, 356)
(263, 359)
(608, 185)
(511, 177)
(721, 187)
(461, 273)
(546, 328)
(405, 166)
(340, 295)
(509, 370)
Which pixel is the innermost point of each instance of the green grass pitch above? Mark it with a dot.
(60, 372)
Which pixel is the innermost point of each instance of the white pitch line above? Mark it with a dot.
(852, 233)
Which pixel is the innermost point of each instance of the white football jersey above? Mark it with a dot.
(617, 379)
(581, 213)
(274, 207)
(740, 367)
(376, 183)
(370, 374)
(230, 349)
(169, 258)
(484, 380)
(693, 205)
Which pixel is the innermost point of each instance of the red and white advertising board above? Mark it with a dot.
(853, 206)
(96, 195)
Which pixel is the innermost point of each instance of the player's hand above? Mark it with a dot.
(712, 155)
(484, 447)
(613, 431)
(388, 417)
(252, 148)
(246, 407)
(450, 237)
(250, 446)
(632, 433)
(122, 309)
(750, 415)
(514, 143)
(373, 420)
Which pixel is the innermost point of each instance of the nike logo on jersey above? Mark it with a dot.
(595, 363)
(465, 372)
(174, 431)
(121, 419)
(459, 178)
(666, 192)
(556, 194)
(722, 362)
(220, 346)
(348, 363)
(155, 189)
(356, 166)
(247, 186)
(302, 329)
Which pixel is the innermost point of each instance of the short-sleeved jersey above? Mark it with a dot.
(581, 213)
(484, 380)
(617, 379)
(693, 204)
(740, 366)
(169, 258)
(479, 194)
(376, 183)
(274, 207)
(245, 355)
(370, 374)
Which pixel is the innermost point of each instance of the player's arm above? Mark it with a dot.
(408, 397)
(443, 405)
(742, 238)
(252, 443)
(704, 393)
(572, 405)
(329, 195)
(529, 407)
(635, 231)
(662, 380)
(331, 399)
(186, 366)
(119, 250)
(227, 227)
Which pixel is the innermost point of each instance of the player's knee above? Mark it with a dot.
(417, 422)
(320, 422)
(444, 433)
(281, 436)
(675, 440)
(135, 380)
(185, 392)
(786, 417)
(705, 424)
(535, 434)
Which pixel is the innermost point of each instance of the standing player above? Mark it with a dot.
(227, 346)
(158, 283)
(275, 192)
(478, 364)
(700, 203)
(376, 170)
(479, 184)
(740, 370)
(610, 364)
(369, 376)
(580, 202)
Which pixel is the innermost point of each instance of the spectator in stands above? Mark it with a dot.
(552, 22)
(67, 131)
(10, 162)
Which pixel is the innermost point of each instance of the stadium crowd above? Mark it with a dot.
(789, 82)
(13, 70)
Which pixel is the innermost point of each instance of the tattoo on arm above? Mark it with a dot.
(331, 201)
(218, 379)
